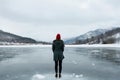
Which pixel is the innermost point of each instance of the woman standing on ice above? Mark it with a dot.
(58, 48)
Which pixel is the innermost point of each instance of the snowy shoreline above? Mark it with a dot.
(95, 45)
(83, 45)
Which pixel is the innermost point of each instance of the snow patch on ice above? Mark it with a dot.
(77, 76)
(50, 76)
(38, 77)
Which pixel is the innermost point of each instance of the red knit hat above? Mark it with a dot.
(58, 37)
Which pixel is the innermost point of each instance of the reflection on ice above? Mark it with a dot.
(74, 62)
(95, 51)
(109, 54)
(93, 64)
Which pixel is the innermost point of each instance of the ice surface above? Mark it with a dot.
(74, 62)
(80, 63)
(93, 64)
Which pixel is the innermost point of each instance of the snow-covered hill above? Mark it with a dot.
(91, 34)
(85, 36)
(98, 36)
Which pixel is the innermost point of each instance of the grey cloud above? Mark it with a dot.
(56, 15)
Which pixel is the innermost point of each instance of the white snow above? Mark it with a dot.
(118, 35)
(26, 45)
(95, 45)
(77, 76)
(38, 77)
(83, 45)
(64, 77)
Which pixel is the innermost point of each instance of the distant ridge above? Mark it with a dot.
(7, 38)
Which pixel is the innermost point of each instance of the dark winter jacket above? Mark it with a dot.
(58, 48)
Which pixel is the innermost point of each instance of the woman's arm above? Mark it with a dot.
(53, 47)
(63, 46)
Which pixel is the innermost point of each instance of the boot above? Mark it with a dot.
(60, 75)
(56, 75)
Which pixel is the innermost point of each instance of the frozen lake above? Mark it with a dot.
(80, 63)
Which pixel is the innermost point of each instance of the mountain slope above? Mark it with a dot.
(12, 38)
(99, 36)
(85, 36)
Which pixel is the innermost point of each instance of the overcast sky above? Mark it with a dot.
(43, 19)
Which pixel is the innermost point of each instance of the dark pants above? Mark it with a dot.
(58, 64)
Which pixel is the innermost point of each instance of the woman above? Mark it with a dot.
(58, 48)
